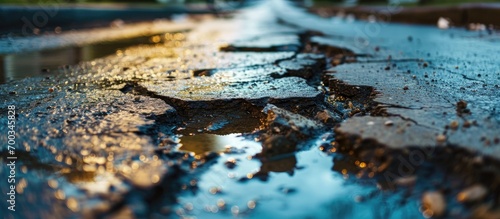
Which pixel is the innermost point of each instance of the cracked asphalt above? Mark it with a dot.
(268, 112)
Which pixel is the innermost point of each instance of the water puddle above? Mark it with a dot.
(238, 185)
(47, 62)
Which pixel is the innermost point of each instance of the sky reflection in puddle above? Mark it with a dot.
(294, 186)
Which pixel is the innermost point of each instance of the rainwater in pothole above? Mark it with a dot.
(302, 185)
(48, 62)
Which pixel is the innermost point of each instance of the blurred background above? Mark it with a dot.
(349, 2)
(29, 18)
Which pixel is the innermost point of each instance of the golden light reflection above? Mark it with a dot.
(59, 194)
(78, 176)
(24, 169)
(215, 190)
(249, 175)
(179, 36)
(84, 152)
(72, 204)
(155, 39)
(362, 164)
(155, 178)
(203, 143)
(221, 203)
(53, 183)
(89, 168)
(21, 185)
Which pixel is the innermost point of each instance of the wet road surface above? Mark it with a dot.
(273, 112)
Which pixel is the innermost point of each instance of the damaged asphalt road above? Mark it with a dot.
(273, 95)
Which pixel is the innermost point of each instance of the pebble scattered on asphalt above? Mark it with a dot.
(433, 204)
(472, 194)
(441, 138)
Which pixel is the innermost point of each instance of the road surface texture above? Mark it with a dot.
(272, 112)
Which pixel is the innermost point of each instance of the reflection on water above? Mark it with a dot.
(238, 185)
(291, 188)
(22, 65)
(203, 143)
(286, 164)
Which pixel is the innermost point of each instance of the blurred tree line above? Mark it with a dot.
(73, 1)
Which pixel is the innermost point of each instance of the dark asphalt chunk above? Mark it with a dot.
(285, 130)
(207, 89)
(427, 104)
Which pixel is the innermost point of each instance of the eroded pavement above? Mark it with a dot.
(243, 116)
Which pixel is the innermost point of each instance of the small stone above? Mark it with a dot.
(12, 93)
(434, 204)
(405, 88)
(51, 89)
(461, 104)
(230, 163)
(472, 194)
(462, 107)
(454, 125)
(251, 204)
(351, 106)
(323, 116)
(406, 181)
(387, 68)
(425, 64)
(466, 124)
(389, 123)
(215, 190)
(441, 138)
